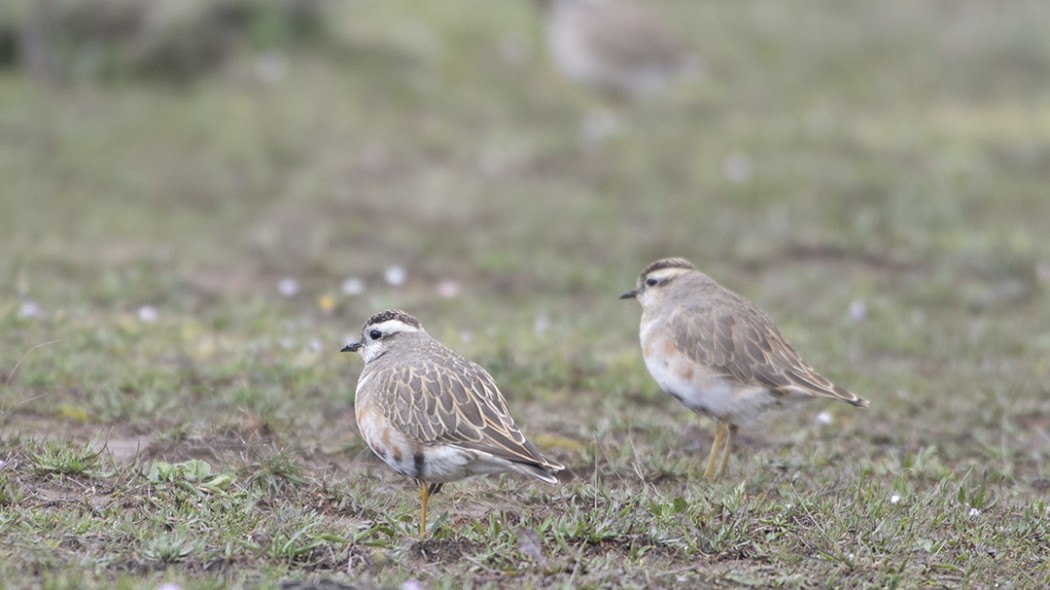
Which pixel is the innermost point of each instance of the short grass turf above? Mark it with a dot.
(174, 292)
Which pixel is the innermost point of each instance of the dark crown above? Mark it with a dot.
(668, 263)
(393, 314)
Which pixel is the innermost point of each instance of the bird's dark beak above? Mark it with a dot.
(633, 293)
(352, 347)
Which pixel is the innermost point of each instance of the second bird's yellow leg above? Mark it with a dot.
(716, 446)
(728, 450)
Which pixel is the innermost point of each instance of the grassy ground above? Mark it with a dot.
(167, 415)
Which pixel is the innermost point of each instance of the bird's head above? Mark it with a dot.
(383, 331)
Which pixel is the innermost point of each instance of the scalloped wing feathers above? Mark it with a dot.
(439, 397)
(737, 340)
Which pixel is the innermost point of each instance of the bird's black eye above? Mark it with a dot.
(651, 282)
(375, 334)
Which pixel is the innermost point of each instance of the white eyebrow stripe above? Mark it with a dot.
(393, 327)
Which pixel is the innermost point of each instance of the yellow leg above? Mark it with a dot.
(424, 495)
(716, 446)
(728, 450)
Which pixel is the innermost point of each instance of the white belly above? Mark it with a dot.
(701, 388)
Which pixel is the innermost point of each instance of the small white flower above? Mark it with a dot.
(395, 275)
(2, 464)
(169, 586)
(288, 287)
(29, 309)
(412, 585)
(353, 286)
(824, 418)
(541, 324)
(738, 168)
(858, 310)
(448, 289)
(148, 314)
(466, 336)
(315, 345)
(271, 66)
(974, 512)
(895, 498)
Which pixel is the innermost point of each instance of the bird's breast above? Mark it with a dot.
(699, 387)
(385, 439)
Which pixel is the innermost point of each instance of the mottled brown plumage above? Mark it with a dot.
(719, 353)
(431, 414)
(435, 396)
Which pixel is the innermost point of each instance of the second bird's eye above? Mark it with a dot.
(375, 334)
(651, 282)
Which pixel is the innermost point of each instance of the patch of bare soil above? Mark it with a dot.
(226, 445)
(442, 550)
(35, 426)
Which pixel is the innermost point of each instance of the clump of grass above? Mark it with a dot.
(66, 458)
(10, 494)
(173, 546)
(274, 473)
(302, 539)
(194, 475)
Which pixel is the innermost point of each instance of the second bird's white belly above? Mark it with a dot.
(701, 388)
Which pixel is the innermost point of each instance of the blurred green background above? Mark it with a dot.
(201, 201)
(191, 156)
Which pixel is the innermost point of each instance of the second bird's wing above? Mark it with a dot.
(742, 344)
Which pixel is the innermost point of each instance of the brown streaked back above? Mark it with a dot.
(435, 396)
(736, 339)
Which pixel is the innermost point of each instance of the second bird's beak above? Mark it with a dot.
(632, 294)
(352, 347)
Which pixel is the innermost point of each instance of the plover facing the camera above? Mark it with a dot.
(432, 415)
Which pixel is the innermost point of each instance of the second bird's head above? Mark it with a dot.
(651, 284)
(382, 331)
